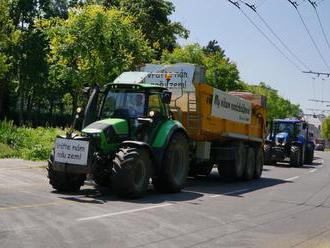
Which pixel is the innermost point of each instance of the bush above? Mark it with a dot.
(26, 143)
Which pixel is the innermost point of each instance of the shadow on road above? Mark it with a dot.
(195, 188)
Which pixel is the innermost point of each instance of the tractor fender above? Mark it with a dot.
(165, 133)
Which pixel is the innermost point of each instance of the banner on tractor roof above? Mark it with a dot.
(181, 76)
(230, 107)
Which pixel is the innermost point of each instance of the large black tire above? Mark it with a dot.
(234, 169)
(175, 166)
(65, 182)
(309, 154)
(239, 162)
(259, 162)
(268, 154)
(250, 164)
(295, 156)
(131, 172)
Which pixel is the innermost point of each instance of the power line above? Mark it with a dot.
(236, 4)
(314, 4)
(295, 5)
(317, 100)
(254, 9)
(317, 73)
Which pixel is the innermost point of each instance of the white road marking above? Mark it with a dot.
(291, 178)
(125, 212)
(311, 171)
(231, 192)
(237, 191)
(196, 192)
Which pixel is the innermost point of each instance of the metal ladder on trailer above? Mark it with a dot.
(193, 116)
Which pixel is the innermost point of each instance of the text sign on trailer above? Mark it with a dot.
(230, 107)
(71, 151)
(181, 76)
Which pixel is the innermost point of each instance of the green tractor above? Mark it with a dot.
(128, 137)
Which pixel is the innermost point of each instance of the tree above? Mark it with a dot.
(220, 72)
(8, 36)
(152, 17)
(326, 128)
(93, 46)
(213, 47)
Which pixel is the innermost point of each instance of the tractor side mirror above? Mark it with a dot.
(166, 97)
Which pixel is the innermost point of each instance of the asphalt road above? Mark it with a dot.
(287, 207)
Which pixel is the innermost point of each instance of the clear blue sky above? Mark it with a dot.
(257, 60)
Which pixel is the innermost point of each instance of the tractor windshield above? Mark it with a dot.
(123, 104)
(284, 127)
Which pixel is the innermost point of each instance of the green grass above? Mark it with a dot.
(25, 142)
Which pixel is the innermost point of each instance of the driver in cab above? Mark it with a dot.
(136, 105)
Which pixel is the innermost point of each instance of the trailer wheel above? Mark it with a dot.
(131, 172)
(295, 156)
(250, 164)
(259, 163)
(239, 162)
(65, 182)
(267, 154)
(175, 166)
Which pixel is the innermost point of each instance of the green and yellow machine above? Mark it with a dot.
(128, 136)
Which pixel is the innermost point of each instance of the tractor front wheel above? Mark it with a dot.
(131, 172)
(295, 156)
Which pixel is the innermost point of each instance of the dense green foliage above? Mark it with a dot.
(26, 143)
(326, 128)
(65, 44)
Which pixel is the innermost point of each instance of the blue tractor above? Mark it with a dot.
(289, 139)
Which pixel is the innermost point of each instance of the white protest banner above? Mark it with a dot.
(181, 76)
(230, 107)
(71, 151)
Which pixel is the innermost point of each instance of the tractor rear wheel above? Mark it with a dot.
(259, 162)
(131, 172)
(65, 182)
(295, 156)
(250, 164)
(175, 166)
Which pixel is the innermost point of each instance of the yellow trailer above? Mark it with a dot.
(225, 129)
